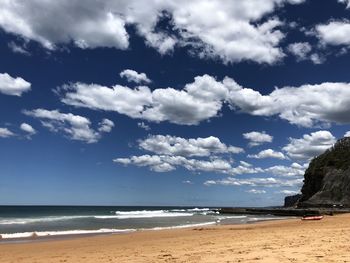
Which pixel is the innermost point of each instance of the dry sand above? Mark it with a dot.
(327, 240)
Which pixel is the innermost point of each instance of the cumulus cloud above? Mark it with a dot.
(268, 153)
(243, 169)
(347, 2)
(317, 59)
(13, 86)
(227, 30)
(143, 126)
(288, 192)
(347, 134)
(106, 125)
(20, 49)
(172, 145)
(262, 182)
(243, 163)
(230, 30)
(5, 133)
(284, 176)
(73, 126)
(198, 101)
(133, 76)
(300, 50)
(88, 25)
(307, 105)
(256, 191)
(293, 170)
(310, 145)
(257, 138)
(172, 152)
(334, 33)
(166, 163)
(121, 99)
(28, 129)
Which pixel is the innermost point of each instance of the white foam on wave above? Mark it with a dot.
(191, 210)
(199, 209)
(143, 214)
(64, 233)
(183, 226)
(22, 221)
(117, 215)
(85, 232)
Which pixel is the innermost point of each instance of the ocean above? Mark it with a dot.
(20, 223)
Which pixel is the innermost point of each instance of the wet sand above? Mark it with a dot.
(292, 240)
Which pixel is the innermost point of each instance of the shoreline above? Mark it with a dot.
(290, 240)
(39, 237)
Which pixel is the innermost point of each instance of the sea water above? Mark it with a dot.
(27, 222)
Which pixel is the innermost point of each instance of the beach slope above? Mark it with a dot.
(293, 240)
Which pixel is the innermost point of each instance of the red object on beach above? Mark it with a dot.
(311, 217)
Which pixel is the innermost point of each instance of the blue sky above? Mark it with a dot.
(219, 103)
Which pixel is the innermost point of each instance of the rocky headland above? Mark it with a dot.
(326, 188)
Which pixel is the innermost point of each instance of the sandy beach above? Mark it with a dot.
(293, 240)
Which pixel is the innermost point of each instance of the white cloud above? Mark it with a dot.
(198, 101)
(166, 163)
(187, 182)
(296, 2)
(268, 153)
(20, 49)
(257, 138)
(172, 145)
(106, 125)
(262, 182)
(243, 163)
(347, 134)
(334, 33)
(287, 171)
(243, 169)
(73, 126)
(347, 2)
(288, 192)
(226, 30)
(307, 105)
(300, 50)
(123, 100)
(133, 76)
(255, 191)
(230, 30)
(5, 133)
(317, 59)
(143, 126)
(28, 128)
(13, 86)
(310, 145)
(171, 152)
(90, 24)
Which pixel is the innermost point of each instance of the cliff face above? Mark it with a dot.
(290, 201)
(327, 180)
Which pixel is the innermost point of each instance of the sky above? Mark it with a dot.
(191, 103)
